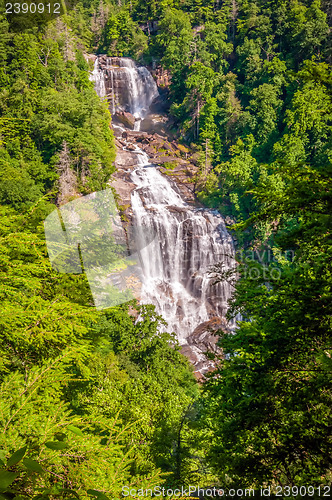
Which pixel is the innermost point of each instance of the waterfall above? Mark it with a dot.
(176, 263)
(142, 87)
(130, 87)
(189, 240)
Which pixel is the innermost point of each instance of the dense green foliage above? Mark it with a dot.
(46, 101)
(92, 401)
(111, 376)
(271, 411)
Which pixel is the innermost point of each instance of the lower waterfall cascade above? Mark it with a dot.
(189, 240)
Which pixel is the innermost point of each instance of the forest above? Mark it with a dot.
(92, 401)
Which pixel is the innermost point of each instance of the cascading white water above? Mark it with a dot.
(143, 88)
(189, 240)
(176, 263)
(128, 87)
(97, 76)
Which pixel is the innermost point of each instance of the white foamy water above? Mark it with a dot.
(97, 76)
(188, 242)
(176, 263)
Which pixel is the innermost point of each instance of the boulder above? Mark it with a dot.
(179, 210)
(124, 188)
(137, 135)
(205, 336)
(158, 137)
(167, 147)
(167, 159)
(156, 143)
(148, 150)
(126, 118)
(202, 345)
(125, 159)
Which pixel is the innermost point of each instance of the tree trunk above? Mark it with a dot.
(234, 13)
(197, 118)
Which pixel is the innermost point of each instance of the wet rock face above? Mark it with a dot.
(202, 349)
(116, 82)
(179, 171)
(171, 157)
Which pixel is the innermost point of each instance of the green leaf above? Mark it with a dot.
(60, 436)
(75, 430)
(2, 455)
(32, 465)
(56, 445)
(99, 494)
(68, 490)
(6, 478)
(16, 457)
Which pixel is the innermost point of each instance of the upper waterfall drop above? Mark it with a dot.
(189, 240)
(127, 86)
